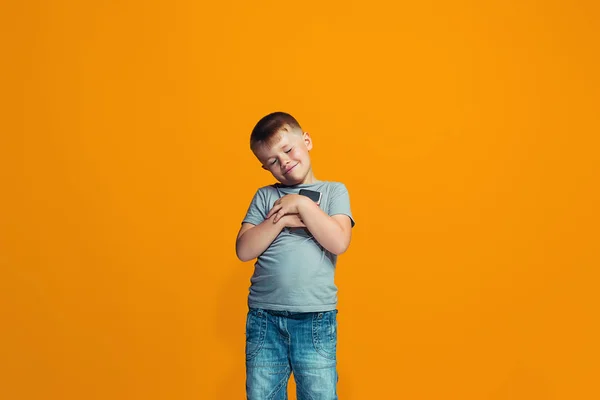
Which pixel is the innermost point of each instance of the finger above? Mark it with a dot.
(273, 211)
(282, 211)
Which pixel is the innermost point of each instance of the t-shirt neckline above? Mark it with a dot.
(299, 186)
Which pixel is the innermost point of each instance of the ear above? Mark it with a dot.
(307, 140)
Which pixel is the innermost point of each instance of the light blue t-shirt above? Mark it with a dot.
(295, 273)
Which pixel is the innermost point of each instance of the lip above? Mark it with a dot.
(288, 171)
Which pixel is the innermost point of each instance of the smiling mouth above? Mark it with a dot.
(286, 172)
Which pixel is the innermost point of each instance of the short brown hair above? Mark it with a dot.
(269, 125)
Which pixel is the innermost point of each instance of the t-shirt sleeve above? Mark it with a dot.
(339, 202)
(256, 211)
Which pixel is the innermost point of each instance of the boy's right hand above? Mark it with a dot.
(292, 221)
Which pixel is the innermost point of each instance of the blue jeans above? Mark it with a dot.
(281, 342)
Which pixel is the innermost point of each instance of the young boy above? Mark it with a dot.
(291, 324)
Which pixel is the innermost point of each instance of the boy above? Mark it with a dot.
(291, 324)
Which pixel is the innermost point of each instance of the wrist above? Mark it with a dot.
(280, 224)
(304, 204)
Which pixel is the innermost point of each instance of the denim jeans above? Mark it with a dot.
(281, 342)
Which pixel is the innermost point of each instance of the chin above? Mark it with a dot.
(289, 181)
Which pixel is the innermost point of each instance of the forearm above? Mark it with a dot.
(326, 230)
(256, 240)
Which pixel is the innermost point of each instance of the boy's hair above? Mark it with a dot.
(268, 126)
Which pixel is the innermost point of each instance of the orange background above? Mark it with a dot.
(467, 135)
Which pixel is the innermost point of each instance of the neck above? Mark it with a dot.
(310, 178)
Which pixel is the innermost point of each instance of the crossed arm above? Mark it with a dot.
(332, 232)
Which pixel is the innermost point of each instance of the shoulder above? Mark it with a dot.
(265, 193)
(335, 187)
(267, 189)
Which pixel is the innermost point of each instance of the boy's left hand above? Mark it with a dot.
(287, 204)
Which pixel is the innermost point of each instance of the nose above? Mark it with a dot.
(284, 162)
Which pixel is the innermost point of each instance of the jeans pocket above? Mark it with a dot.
(325, 333)
(256, 329)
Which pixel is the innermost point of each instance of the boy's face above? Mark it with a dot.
(287, 157)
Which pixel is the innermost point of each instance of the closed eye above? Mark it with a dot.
(289, 150)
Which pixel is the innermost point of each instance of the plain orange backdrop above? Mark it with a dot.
(467, 133)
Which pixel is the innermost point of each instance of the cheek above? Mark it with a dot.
(297, 153)
(275, 170)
